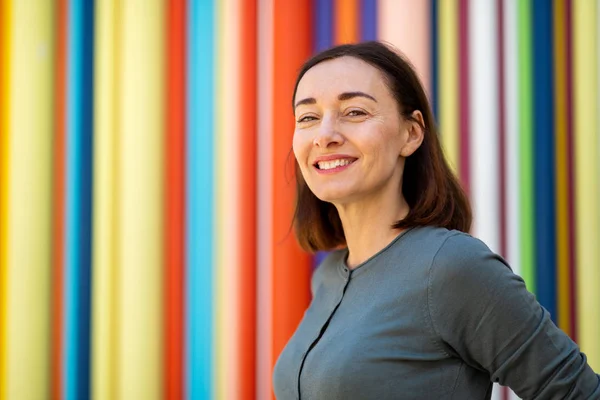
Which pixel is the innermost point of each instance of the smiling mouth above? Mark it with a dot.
(333, 164)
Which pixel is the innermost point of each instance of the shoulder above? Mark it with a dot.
(464, 256)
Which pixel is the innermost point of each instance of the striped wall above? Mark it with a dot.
(146, 179)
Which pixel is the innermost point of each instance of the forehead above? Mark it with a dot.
(343, 74)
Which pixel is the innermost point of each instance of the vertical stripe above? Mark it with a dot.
(543, 86)
(526, 145)
(29, 201)
(324, 25)
(511, 140)
(464, 90)
(561, 169)
(291, 285)
(511, 113)
(105, 237)
(405, 24)
(479, 129)
(346, 21)
(501, 126)
(448, 80)
(199, 201)
(571, 171)
(140, 260)
(174, 199)
(587, 186)
(58, 206)
(368, 20)
(265, 87)
(483, 120)
(227, 152)
(435, 59)
(247, 173)
(78, 200)
(5, 31)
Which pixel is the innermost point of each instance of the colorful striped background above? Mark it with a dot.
(146, 181)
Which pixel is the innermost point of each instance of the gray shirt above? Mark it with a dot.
(434, 315)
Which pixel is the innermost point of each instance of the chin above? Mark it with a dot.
(333, 197)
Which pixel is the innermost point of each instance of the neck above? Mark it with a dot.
(368, 225)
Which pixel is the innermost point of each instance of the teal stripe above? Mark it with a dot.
(78, 199)
(199, 200)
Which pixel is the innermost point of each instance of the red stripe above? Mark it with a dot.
(248, 175)
(463, 65)
(571, 172)
(56, 362)
(291, 267)
(174, 201)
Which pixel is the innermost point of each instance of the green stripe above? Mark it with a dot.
(526, 200)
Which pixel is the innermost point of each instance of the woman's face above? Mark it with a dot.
(350, 140)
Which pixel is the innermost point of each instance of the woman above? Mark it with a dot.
(407, 305)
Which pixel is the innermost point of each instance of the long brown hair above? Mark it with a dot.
(429, 186)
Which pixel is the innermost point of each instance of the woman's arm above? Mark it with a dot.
(483, 314)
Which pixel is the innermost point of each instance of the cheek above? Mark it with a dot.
(300, 148)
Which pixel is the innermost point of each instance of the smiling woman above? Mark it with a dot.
(407, 304)
(364, 106)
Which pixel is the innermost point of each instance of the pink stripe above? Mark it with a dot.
(406, 25)
(463, 92)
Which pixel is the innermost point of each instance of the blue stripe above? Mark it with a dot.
(368, 20)
(434, 58)
(199, 200)
(323, 23)
(78, 199)
(543, 126)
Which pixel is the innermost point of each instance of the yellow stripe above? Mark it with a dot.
(448, 80)
(29, 200)
(140, 203)
(562, 192)
(5, 27)
(220, 277)
(587, 186)
(104, 291)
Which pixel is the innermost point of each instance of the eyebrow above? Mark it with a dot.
(342, 97)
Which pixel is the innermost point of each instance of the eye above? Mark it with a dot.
(356, 113)
(307, 118)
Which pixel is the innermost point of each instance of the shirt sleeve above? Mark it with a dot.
(482, 312)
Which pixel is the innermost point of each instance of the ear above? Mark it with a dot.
(415, 134)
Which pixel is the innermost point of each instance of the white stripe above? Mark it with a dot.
(265, 200)
(511, 104)
(484, 121)
(484, 125)
(511, 107)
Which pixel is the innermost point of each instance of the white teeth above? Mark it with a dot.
(333, 163)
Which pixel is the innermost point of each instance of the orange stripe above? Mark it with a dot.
(248, 181)
(291, 267)
(56, 390)
(174, 201)
(346, 21)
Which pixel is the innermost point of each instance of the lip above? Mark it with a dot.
(332, 157)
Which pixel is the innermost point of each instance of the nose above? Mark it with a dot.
(328, 134)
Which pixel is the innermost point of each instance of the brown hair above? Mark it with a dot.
(429, 186)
